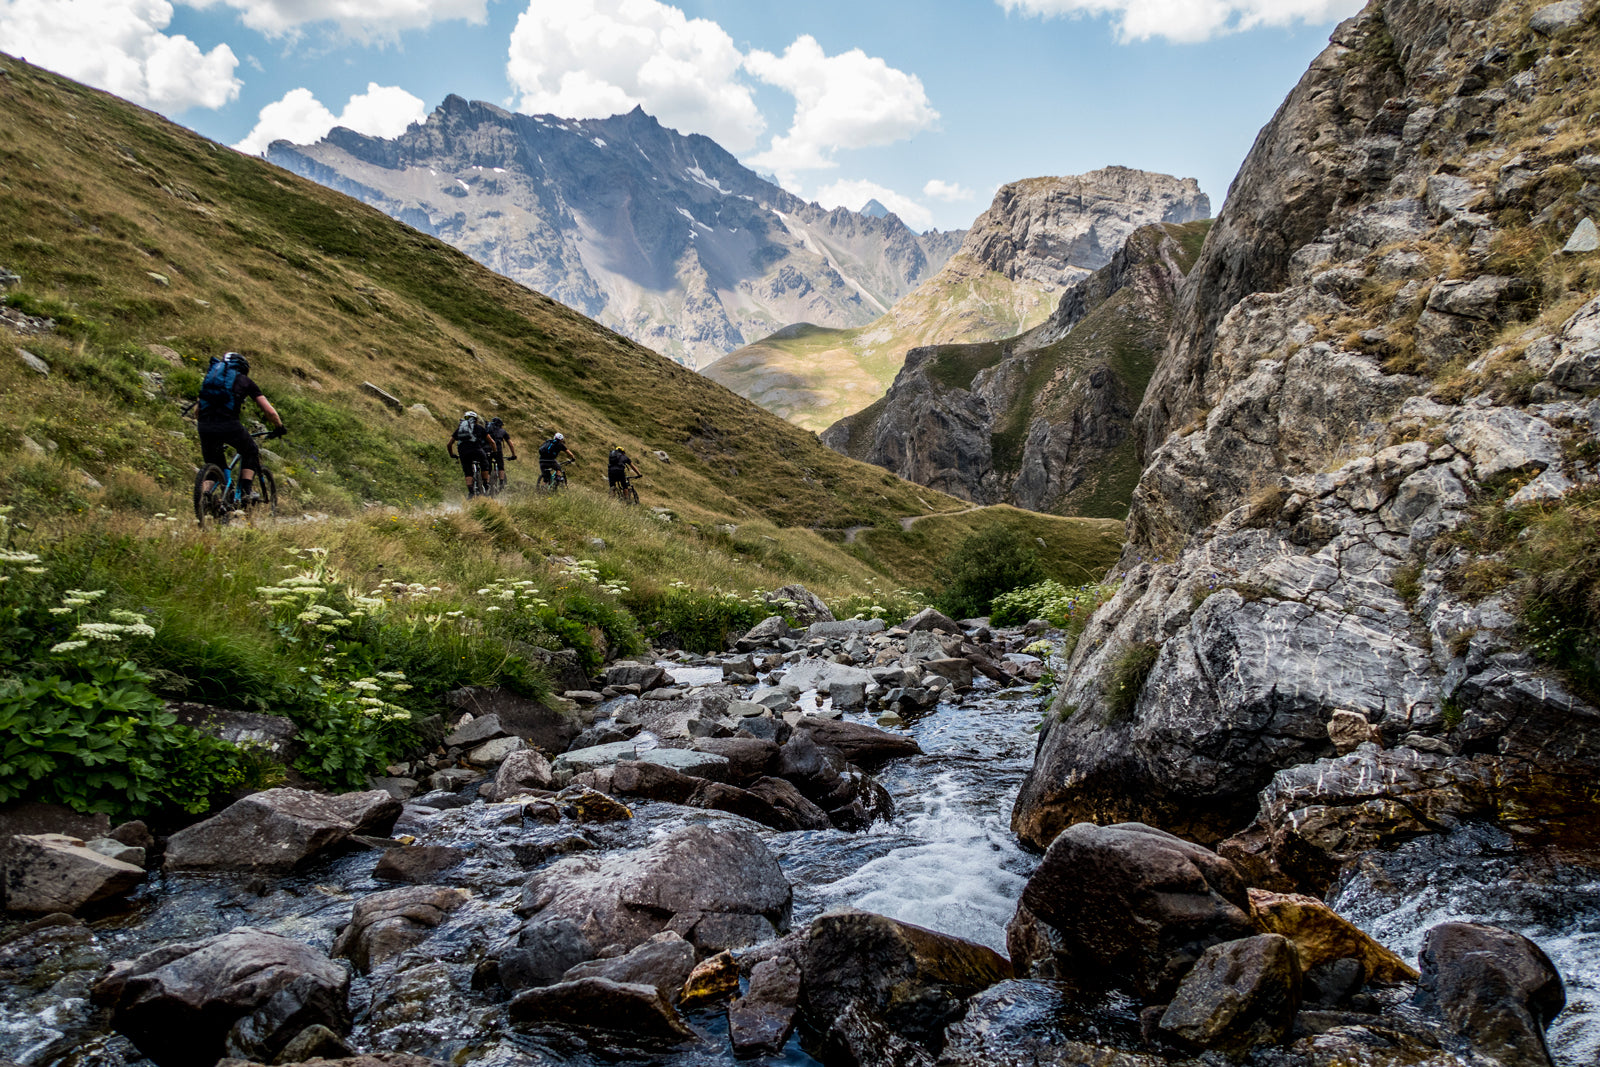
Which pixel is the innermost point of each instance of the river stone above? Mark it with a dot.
(696, 764)
(748, 758)
(646, 676)
(843, 628)
(550, 728)
(931, 619)
(652, 781)
(714, 978)
(1495, 988)
(790, 805)
(475, 731)
(417, 864)
(664, 963)
(493, 753)
(54, 873)
(385, 924)
(627, 1008)
(545, 951)
(584, 804)
(764, 634)
(1320, 935)
(760, 1022)
(178, 1002)
(800, 604)
(1134, 906)
(1239, 995)
(696, 874)
(593, 758)
(857, 742)
(821, 675)
(911, 979)
(522, 770)
(276, 830)
(957, 671)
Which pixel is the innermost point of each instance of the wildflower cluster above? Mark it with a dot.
(1051, 601)
(893, 607)
(87, 632)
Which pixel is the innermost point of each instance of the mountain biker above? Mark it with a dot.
(549, 453)
(617, 467)
(226, 386)
(499, 441)
(470, 444)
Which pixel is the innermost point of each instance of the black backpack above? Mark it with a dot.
(217, 396)
(618, 459)
(551, 449)
(467, 431)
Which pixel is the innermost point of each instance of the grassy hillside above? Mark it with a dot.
(813, 376)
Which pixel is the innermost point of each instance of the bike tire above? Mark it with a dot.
(210, 505)
(267, 486)
(630, 496)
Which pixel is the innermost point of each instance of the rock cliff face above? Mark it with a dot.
(1359, 603)
(1041, 421)
(664, 238)
(1038, 237)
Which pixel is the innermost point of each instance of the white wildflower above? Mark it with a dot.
(69, 646)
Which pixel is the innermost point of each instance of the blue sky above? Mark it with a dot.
(928, 106)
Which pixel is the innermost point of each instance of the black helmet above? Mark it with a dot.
(497, 422)
(236, 360)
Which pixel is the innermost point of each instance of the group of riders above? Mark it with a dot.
(483, 447)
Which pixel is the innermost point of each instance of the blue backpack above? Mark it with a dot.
(216, 389)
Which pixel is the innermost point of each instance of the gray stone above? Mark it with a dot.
(1504, 440)
(475, 731)
(820, 675)
(392, 402)
(764, 634)
(418, 864)
(663, 962)
(385, 924)
(760, 1022)
(55, 873)
(545, 951)
(800, 604)
(274, 831)
(1585, 238)
(588, 759)
(843, 628)
(1554, 18)
(688, 761)
(932, 619)
(522, 770)
(492, 753)
(1239, 995)
(33, 362)
(118, 850)
(601, 1004)
(1496, 989)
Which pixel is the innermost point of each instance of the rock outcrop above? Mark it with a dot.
(1041, 421)
(635, 225)
(1359, 408)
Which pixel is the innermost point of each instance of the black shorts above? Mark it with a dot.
(546, 468)
(617, 477)
(214, 437)
(497, 460)
(469, 456)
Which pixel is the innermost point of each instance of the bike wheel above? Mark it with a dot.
(630, 495)
(209, 505)
(267, 486)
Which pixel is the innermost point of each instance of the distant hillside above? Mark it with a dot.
(1037, 238)
(663, 237)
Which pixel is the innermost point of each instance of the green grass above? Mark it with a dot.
(1126, 679)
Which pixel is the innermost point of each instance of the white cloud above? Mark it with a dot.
(851, 100)
(361, 19)
(1188, 21)
(595, 58)
(853, 194)
(381, 111)
(949, 192)
(119, 46)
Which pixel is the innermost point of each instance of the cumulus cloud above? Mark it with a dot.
(1188, 21)
(949, 192)
(594, 58)
(360, 19)
(851, 100)
(853, 194)
(119, 46)
(381, 111)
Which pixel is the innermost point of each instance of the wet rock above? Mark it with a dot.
(663, 963)
(652, 781)
(493, 753)
(1133, 906)
(523, 770)
(857, 1038)
(748, 758)
(364, 1059)
(292, 1022)
(315, 1042)
(695, 875)
(418, 864)
(714, 932)
(692, 762)
(764, 634)
(1019, 1023)
(792, 808)
(1320, 935)
(274, 831)
(179, 1002)
(913, 980)
(545, 951)
(1495, 988)
(957, 670)
(587, 759)
(1239, 995)
(644, 675)
(715, 978)
(931, 619)
(629, 1009)
(822, 675)
(800, 604)
(760, 1022)
(385, 924)
(582, 804)
(54, 873)
(475, 731)
(859, 743)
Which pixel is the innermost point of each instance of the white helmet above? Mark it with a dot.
(560, 438)
(471, 415)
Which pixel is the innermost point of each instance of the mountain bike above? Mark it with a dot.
(626, 492)
(557, 479)
(225, 498)
(483, 481)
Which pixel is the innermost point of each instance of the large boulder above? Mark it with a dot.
(859, 743)
(1239, 995)
(522, 770)
(760, 1022)
(54, 873)
(623, 1008)
(549, 728)
(545, 951)
(702, 884)
(790, 805)
(417, 864)
(749, 758)
(1495, 988)
(1321, 936)
(653, 781)
(800, 604)
(178, 1003)
(913, 980)
(1131, 907)
(931, 619)
(764, 634)
(274, 831)
(386, 924)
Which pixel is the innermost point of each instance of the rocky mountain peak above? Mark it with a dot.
(1057, 230)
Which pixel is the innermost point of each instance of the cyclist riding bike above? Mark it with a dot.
(550, 454)
(223, 391)
(499, 442)
(617, 466)
(470, 444)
